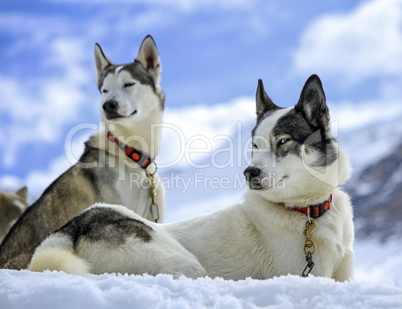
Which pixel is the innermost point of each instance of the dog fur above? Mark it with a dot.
(12, 206)
(295, 162)
(132, 103)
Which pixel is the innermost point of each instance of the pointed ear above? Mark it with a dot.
(312, 105)
(101, 62)
(264, 103)
(148, 56)
(22, 193)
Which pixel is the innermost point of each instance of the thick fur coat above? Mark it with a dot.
(132, 103)
(295, 163)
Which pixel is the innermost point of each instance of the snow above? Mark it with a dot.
(379, 262)
(23, 289)
(375, 140)
(377, 284)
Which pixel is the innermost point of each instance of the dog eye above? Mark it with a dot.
(105, 91)
(282, 141)
(126, 85)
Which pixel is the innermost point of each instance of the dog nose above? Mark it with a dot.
(110, 106)
(251, 172)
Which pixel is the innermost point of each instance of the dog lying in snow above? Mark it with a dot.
(293, 220)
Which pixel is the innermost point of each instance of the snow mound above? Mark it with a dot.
(24, 289)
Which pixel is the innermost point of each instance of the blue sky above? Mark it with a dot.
(212, 52)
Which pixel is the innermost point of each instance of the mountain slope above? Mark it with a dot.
(377, 197)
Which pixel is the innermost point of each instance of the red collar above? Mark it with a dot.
(134, 154)
(316, 210)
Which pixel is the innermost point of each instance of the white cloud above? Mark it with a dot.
(30, 32)
(357, 45)
(39, 108)
(199, 127)
(38, 180)
(350, 115)
(10, 183)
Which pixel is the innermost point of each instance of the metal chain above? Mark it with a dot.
(153, 207)
(309, 266)
(309, 246)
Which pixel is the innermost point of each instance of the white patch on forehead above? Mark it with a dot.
(267, 125)
(123, 75)
(114, 73)
(118, 76)
(119, 68)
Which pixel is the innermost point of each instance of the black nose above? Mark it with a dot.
(110, 106)
(251, 172)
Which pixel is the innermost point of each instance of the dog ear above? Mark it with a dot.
(148, 56)
(312, 105)
(22, 193)
(263, 101)
(101, 62)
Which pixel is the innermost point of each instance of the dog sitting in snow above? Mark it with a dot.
(116, 162)
(293, 220)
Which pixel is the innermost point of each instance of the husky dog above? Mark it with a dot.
(126, 242)
(293, 220)
(116, 163)
(12, 205)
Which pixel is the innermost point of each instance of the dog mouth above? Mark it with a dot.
(255, 184)
(114, 115)
(266, 183)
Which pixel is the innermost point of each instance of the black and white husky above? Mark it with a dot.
(293, 220)
(115, 162)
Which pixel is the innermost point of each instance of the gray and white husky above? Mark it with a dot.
(293, 220)
(115, 162)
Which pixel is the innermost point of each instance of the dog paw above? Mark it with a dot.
(193, 271)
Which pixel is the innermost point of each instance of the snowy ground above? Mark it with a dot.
(22, 289)
(377, 284)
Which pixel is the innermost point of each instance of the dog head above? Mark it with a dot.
(130, 92)
(294, 154)
(12, 205)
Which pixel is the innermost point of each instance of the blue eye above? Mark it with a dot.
(282, 141)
